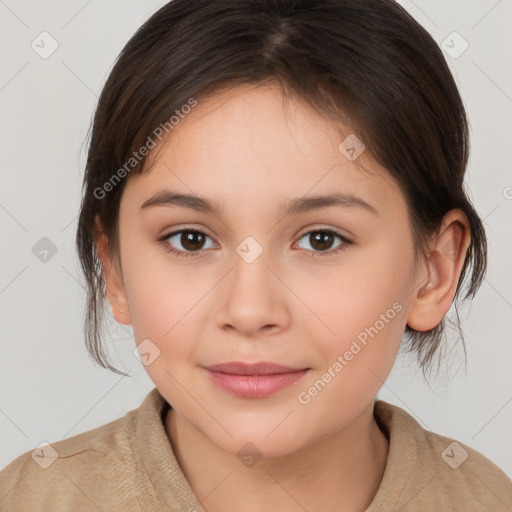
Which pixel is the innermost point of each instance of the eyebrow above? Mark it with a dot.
(291, 207)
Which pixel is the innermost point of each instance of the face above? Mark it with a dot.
(323, 287)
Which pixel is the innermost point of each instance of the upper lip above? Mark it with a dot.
(263, 368)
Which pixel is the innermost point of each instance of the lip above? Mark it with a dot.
(254, 380)
(262, 368)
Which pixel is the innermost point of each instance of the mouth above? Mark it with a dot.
(254, 380)
(257, 369)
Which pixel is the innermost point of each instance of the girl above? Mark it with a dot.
(274, 200)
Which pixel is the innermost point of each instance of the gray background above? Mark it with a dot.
(49, 388)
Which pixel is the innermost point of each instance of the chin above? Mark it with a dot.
(256, 440)
(251, 449)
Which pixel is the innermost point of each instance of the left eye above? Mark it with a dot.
(321, 241)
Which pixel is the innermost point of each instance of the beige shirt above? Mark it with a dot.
(129, 465)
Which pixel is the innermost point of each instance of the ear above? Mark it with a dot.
(113, 278)
(437, 282)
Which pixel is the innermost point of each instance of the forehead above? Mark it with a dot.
(254, 143)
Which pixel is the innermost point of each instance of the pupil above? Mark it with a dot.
(321, 241)
(189, 238)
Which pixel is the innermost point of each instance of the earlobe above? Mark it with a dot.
(441, 274)
(113, 281)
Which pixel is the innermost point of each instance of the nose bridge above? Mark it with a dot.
(250, 281)
(252, 297)
(250, 263)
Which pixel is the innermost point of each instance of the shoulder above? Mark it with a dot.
(463, 472)
(73, 472)
(437, 471)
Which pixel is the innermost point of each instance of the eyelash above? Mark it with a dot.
(169, 248)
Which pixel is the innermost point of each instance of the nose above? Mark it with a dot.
(252, 301)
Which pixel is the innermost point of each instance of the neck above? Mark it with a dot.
(340, 472)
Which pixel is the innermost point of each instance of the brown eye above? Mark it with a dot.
(187, 241)
(323, 240)
(192, 240)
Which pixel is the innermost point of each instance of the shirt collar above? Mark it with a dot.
(158, 462)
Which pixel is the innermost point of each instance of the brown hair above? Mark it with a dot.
(368, 58)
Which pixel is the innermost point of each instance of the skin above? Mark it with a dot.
(249, 149)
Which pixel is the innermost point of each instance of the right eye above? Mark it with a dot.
(191, 241)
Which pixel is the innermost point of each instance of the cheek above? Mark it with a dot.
(363, 306)
(365, 310)
(165, 298)
(167, 309)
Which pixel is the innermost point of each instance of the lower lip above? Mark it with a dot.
(255, 386)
